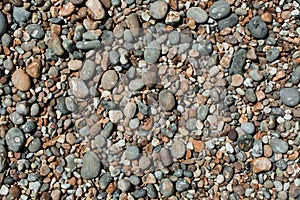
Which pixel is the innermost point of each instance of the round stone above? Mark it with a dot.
(219, 10)
(245, 142)
(258, 28)
(279, 146)
(3, 23)
(132, 152)
(15, 139)
(272, 54)
(178, 149)
(166, 100)
(166, 187)
(88, 70)
(124, 185)
(36, 31)
(109, 79)
(159, 9)
(21, 80)
(78, 88)
(166, 157)
(152, 52)
(197, 14)
(290, 96)
(261, 164)
(248, 128)
(181, 185)
(232, 135)
(91, 165)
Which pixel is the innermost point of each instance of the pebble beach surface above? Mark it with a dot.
(131, 99)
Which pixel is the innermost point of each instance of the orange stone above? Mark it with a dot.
(261, 164)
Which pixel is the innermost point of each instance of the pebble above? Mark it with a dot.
(34, 69)
(197, 14)
(166, 157)
(96, 8)
(178, 149)
(232, 135)
(87, 71)
(91, 165)
(258, 28)
(104, 180)
(230, 21)
(88, 45)
(130, 110)
(124, 185)
(21, 80)
(261, 164)
(237, 80)
(3, 157)
(20, 14)
(136, 85)
(245, 142)
(15, 139)
(3, 24)
(248, 128)
(115, 116)
(158, 9)
(35, 145)
(219, 10)
(250, 95)
(109, 79)
(134, 25)
(75, 64)
(166, 187)
(205, 47)
(181, 185)
(238, 62)
(279, 146)
(78, 88)
(256, 75)
(54, 43)
(257, 149)
(151, 191)
(166, 100)
(228, 173)
(290, 96)
(36, 31)
(152, 52)
(132, 152)
(272, 54)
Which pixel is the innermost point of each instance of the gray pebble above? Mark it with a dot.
(139, 193)
(238, 62)
(114, 57)
(36, 31)
(109, 79)
(3, 157)
(256, 75)
(248, 128)
(205, 47)
(166, 157)
(132, 152)
(130, 110)
(202, 112)
(178, 149)
(22, 108)
(219, 10)
(91, 165)
(124, 185)
(158, 9)
(257, 27)
(104, 181)
(230, 21)
(29, 127)
(3, 23)
(181, 185)
(279, 146)
(272, 54)
(78, 88)
(174, 37)
(151, 191)
(166, 187)
(20, 14)
(134, 180)
(6, 39)
(257, 149)
(88, 69)
(136, 85)
(250, 95)
(152, 52)
(70, 104)
(198, 14)
(191, 124)
(166, 100)
(35, 145)
(15, 139)
(87, 45)
(290, 96)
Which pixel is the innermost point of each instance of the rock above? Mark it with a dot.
(3, 24)
(250, 95)
(159, 9)
(261, 164)
(78, 88)
(20, 14)
(74, 64)
(152, 52)
(174, 37)
(34, 69)
(256, 75)
(36, 31)
(14, 191)
(130, 110)
(290, 96)
(151, 191)
(67, 9)
(245, 142)
(150, 79)
(181, 185)
(166, 100)
(230, 21)
(136, 85)
(109, 79)
(166, 157)
(173, 17)
(115, 116)
(205, 47)
(178, 149)
(232, 135)
(88, 69)
(91, 165)
(3, 157)
(139, 193)
(237, 80)
(105, 180)
(21, 80)
(248, 128)
(134, 24)
(202, 112)
(124, 185)
(228, 173)
(70, 104)
(96, 8)
(54, 43)
(197, 14)
(258, 28)
(144, 162)
(35, 145)
(272, 54)
(166, 187)
(257, 149)
(219, 10)
(132, 152)
(15, 139)
(191, 124)
(238, 62)
(279, 146)
(88, 45)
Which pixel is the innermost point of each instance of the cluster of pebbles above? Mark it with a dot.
(137, 99)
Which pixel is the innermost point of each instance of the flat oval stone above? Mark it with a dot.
(197, 14)
(261, 164)
(258, 28)
(152, 52)
(3, 23)
(78, 88)
(219, 10)
(166, 100)
(290, 96)
(166, 187)
(159, 9)
(21, 80)
(178, 149)
(109, 79)
(15, 139)
(91, 165)
(279, 146)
